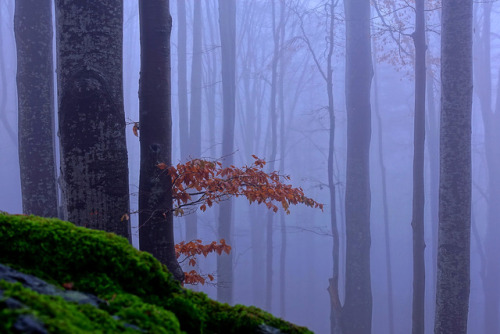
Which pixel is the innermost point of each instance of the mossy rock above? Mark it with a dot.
(140, 291)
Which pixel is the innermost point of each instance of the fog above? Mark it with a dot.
(303, 128)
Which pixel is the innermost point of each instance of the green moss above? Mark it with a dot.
(57, 315)
(140, 290)
(149, 317)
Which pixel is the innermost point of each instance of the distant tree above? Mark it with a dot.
(383, 181)
(156, 234)
(4, 85)
(277, 26)
(227, 28)
(195, 112)
(182, 79)
(453, 272)
(94, 164)
(326, 72)
(417, 222)
(35, 92)
(490, 115)
(357, 309)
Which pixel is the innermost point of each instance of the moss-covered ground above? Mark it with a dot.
(139, 290)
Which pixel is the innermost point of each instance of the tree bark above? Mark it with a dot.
(195, 114)
(91, 117)
(156, 233)
(182, 79)
(357, 309)
(491, 123)
(227, 27)
(417, 223)
(35, 91)
(453, 272)
(385, 201)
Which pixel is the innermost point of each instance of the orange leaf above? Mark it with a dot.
(135, 129)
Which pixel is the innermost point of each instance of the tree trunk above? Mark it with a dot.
(227, 27)
(281, 106)
(333, 286)
(91, 117)
(35, 92)
(195, 113)
(182, 79)
(211, 77)
(491, 123)
(453, 272)
(357, 310)
(385, 201)
(156, 234)
(418, 312)
(3, 89)
(432, 139)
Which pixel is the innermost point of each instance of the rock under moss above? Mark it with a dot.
(138, 290)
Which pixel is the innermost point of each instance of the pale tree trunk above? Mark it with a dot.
(385, 202)
(357, 309)
(432, 139)
(453, 272)
(182, 79)
(417, 222)
(94, 163)
(281, 107)
(35, 92)
(195, 106)
(227, 27)
(491, 123)
(211, 76)
(156, 234)
(276, 28)
(251, 116)
(3, 87)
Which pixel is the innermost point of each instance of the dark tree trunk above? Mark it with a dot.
(35, 92)
(357, 310)
(156, 234)
(333, 286)
(227, 27)
(417, 223)
(453, 272)
(91, 118)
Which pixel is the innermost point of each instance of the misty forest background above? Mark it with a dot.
(290, 78)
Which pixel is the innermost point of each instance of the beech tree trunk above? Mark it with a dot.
(357, 309)
(94, 162)
(3, 86)
(182, 79)
(491, 123)
(385, 201)
(156, 233)
(195, 106)
(453, 272)
(227, 27)
(417, 223)
(35, 92)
